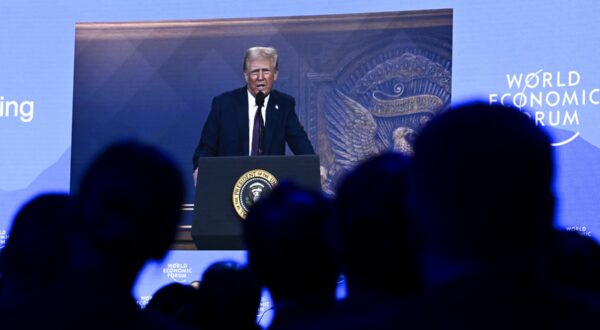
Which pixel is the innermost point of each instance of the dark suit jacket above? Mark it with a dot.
(225, 131)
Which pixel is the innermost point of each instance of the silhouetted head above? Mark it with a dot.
(372, 218)
(231, 296)
(483, 182)
(37, 250)
(287, 247)
(129, 202)
(169, 299)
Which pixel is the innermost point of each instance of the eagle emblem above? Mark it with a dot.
(382, 111)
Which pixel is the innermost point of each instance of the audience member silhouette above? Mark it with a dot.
(171, 298)
(229, 299)
(285, 234)
(36, 252)
(484, 204)
(35, 256)
(371, 215)
(378, 259)
(126, 211)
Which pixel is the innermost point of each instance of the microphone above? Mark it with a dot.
(260, 99)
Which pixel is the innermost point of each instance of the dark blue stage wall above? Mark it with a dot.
(363, 83)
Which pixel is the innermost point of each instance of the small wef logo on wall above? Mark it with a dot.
(551, 99)
(3, 238)
(582, 230)
(143, 301)
(178, 272)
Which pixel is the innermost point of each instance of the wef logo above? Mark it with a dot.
(552, 98)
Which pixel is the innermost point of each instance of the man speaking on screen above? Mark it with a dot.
(253, 120)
